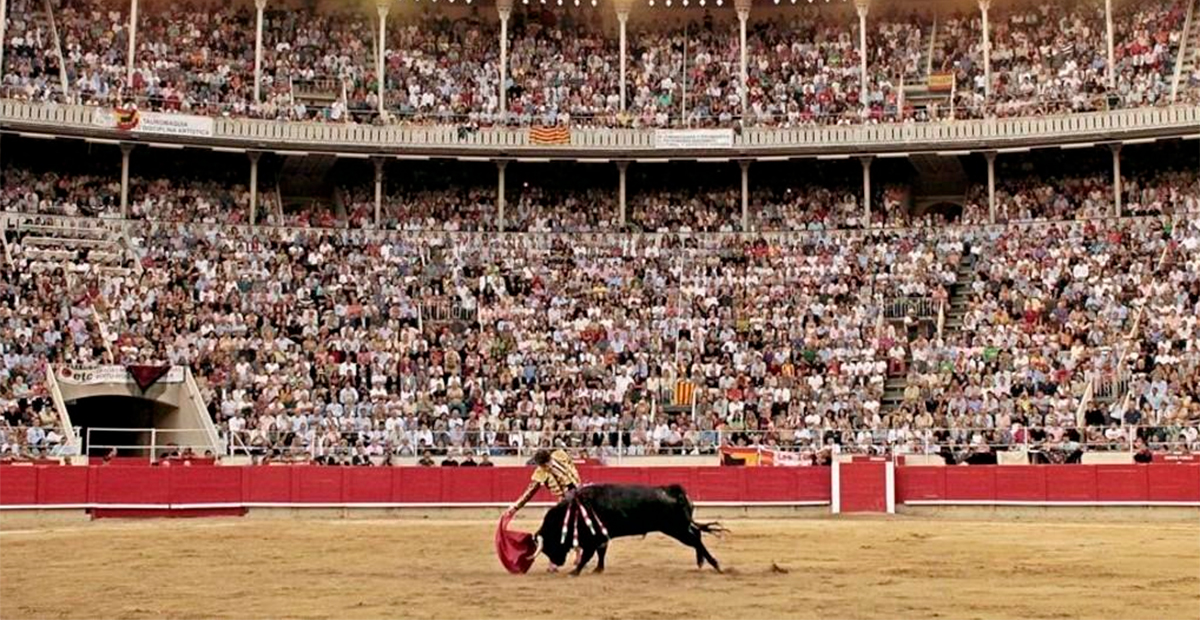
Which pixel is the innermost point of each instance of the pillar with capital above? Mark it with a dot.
(1116, 154)
(126, 149)
(743, 15)
(866, 165)
(984, 8)
(862, 6)
(259, 7)
(623, 7)
(382, 6)
(504, 9)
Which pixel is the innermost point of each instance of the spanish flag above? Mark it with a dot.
(550, 135)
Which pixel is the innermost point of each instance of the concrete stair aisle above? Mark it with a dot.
(917, 92)
(960, 292)
(1189, 54)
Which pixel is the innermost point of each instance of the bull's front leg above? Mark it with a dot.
(588, 552)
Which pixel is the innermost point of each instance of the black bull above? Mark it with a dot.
(624, 510)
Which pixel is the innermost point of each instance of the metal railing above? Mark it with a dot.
(703, 241)
(615, 445)
(920, 307)
(150, 443)
(442, 311)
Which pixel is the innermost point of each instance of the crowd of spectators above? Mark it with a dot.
(564, 65)
(326, 343)
(1036, 197)
(1052, 58)
(173, 198)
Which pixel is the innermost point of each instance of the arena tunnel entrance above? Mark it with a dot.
(946, 210)
(124, 423)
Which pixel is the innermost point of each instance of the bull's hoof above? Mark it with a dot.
(574, 573)
(599, 570)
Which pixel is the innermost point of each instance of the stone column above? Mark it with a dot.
(1108, 24)
(254, 155)
(3, 29)
(380, 70)
(623, 7)
(1116, 152)
(745, 163)
(259, 7)
(866, 165)
(378, 190)
(991, 167)
(622, 169)
(126, 149)
(133, 8)
(504, 8)
(984, 8)
(862, 6)
(501, 164)
(743, 15)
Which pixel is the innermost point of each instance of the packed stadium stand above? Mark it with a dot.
(627, 228)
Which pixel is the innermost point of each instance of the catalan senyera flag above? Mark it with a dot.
(685, 393)
(941, 82)
(550, 135)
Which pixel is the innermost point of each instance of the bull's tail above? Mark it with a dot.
(678, 494)
(711, 528)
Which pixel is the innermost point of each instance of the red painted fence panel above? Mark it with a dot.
(916, 483)
(204, 485)
(267, 484)
(19, 485)
(971, 482)
(1173, 482)
(365, 485)
(60, 485)
(1025, 483)
(1122, 483)
(1071, 483)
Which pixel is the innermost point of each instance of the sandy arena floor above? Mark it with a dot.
(867, 568)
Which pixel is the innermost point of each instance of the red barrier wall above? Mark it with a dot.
(238, 486)
(186, 486)
(1097, 484)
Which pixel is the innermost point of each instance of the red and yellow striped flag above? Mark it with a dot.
(685, 393)
(550, 135)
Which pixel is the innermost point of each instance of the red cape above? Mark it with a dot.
(516, 550)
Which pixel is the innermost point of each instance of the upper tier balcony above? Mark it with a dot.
(897, 140)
